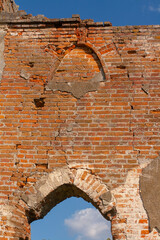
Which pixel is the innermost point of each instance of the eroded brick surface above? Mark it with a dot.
(8, 6)
(79, 116)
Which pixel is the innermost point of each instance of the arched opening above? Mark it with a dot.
(65, 191)
(64, 183)
(72, 219)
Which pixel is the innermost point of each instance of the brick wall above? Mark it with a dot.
(81, 99)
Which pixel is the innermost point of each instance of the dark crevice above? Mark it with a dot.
(132, 52)
(31, 64)
(39, 102)
(18, 145)
(121, 41)
(121, 67)
(144, 90)
(42, 165)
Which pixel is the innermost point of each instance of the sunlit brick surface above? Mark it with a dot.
(105, 137)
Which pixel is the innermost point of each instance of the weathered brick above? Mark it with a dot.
(79, 110)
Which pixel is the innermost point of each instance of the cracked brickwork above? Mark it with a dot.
(79, 116)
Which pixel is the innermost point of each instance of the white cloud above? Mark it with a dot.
(154, 9)
(88, 224)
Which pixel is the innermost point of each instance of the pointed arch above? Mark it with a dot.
(63, 183)
(67, 51)
(78, 71)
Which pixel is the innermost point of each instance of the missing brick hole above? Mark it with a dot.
(31, 64)
(61, 70)
(39, 103)
(156, 110)
(132, 107)
(18, 145)
(132, 51)
(21, 184)
(121, 41)
(121, 67)
(42, 165)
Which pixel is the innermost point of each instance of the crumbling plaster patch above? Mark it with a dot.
(151, 195)
(2, 63)
(134, 203)
(24, 74)
(77, 89)
(7, 211)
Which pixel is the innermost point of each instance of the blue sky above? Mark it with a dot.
(72, 219)
(119, 13)
(75, 219)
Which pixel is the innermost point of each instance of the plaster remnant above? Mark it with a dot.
(24, 74)
(150, 195)
(77, 89)
(106, 197)
(70, 128)
(2, 63)
(56, 134)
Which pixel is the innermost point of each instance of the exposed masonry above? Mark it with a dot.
(79, 116)
(64, 183)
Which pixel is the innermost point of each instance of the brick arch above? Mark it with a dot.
(65, 51)
(78, 71)
(63, 183)
(99, 55)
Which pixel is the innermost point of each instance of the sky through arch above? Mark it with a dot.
(72, 219)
